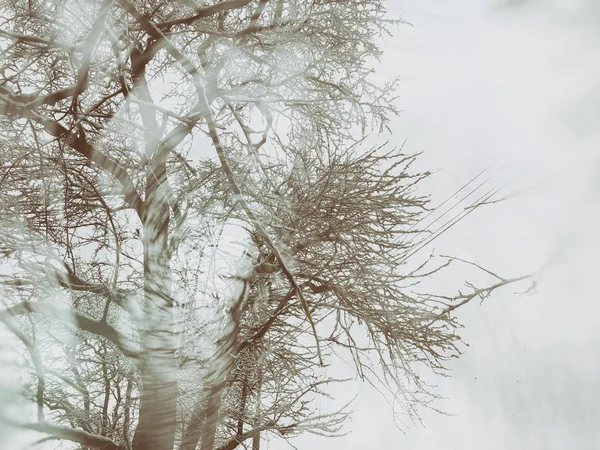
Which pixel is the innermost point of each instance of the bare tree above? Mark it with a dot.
(132, 134)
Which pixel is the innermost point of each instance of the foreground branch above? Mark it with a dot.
(81, 321)
(70, 434)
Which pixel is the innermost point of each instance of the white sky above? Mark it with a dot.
(512, 84)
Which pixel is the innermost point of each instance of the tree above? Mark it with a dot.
(132, 136)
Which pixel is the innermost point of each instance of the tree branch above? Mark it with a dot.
(74, 435)
(60, 45)
(260, 229)
(19, 106)
(78, 143)
(81, 321)
(206, 11)
(233, 443)
(75, 283)
(19, 103)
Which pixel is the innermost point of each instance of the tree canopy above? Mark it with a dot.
(193, 226)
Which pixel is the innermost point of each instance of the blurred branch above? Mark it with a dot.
(79, 320)
(74, 435)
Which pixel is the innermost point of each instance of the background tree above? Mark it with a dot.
(133, 135)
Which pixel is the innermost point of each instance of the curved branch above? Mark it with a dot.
(206, 11)
(78, 143)
(237, 441)
(81, 321)
(22, 107)
(74, 435)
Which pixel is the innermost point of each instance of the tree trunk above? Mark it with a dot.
(256, 441)
(105, 422)
(158, 396)
(209, 430)
(242, 411)
(193, 429)
(256, 437)
(126, 410)
(205, 418)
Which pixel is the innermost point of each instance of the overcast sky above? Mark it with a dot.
(515, 85)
